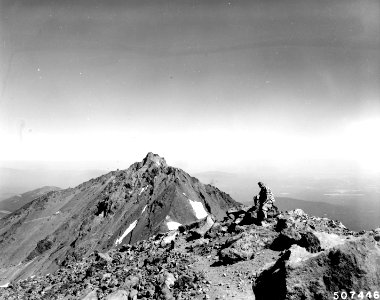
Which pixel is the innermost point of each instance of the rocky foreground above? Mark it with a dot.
(291, 256)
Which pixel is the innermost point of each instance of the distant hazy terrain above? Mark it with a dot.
(352, 199)
(15, 202)
(350, 216)
(18, 181)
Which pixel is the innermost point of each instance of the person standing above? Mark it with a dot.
(263, 201)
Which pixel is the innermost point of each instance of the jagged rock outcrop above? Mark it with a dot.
(118, 208)
(352, 265)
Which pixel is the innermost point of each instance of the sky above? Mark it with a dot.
(209, 85)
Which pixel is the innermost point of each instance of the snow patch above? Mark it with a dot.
(144, 209)
(126, 232)
(198, 208)
(4, 285)
(143, 189)
(172, 225)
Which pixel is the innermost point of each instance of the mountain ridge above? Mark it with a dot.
(15, 202)
(119, 207)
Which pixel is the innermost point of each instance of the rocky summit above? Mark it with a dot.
(196, 243)
(121, 207)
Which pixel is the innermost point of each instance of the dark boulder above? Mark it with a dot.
(291, 236)
(238, 248)
(250, 217)
(376, 234)
(41, 247)
(282, 223)
(235, 228)
(310, 242)
(287, 237)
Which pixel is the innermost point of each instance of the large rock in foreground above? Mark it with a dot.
(245, 245)
(351, 266)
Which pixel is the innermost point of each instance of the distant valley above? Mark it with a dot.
(13, 203)
(18, 181)
(353, 200)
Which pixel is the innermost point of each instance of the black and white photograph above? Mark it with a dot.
(189, 149)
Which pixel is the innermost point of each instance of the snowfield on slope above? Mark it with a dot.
(126, 232)
(198, 208)
(172, 225)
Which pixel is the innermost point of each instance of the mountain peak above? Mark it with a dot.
(152, 158)
(116, 209)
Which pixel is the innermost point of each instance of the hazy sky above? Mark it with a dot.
(206, 84)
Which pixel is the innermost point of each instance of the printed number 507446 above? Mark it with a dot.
(353, 295)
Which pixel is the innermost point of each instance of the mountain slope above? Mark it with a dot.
(13, 203)
(293, 256)
(117, 208)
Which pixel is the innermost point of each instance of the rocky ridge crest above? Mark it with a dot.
(291, 256)
(121, 207)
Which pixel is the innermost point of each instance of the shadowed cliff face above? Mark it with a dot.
(117, 208)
